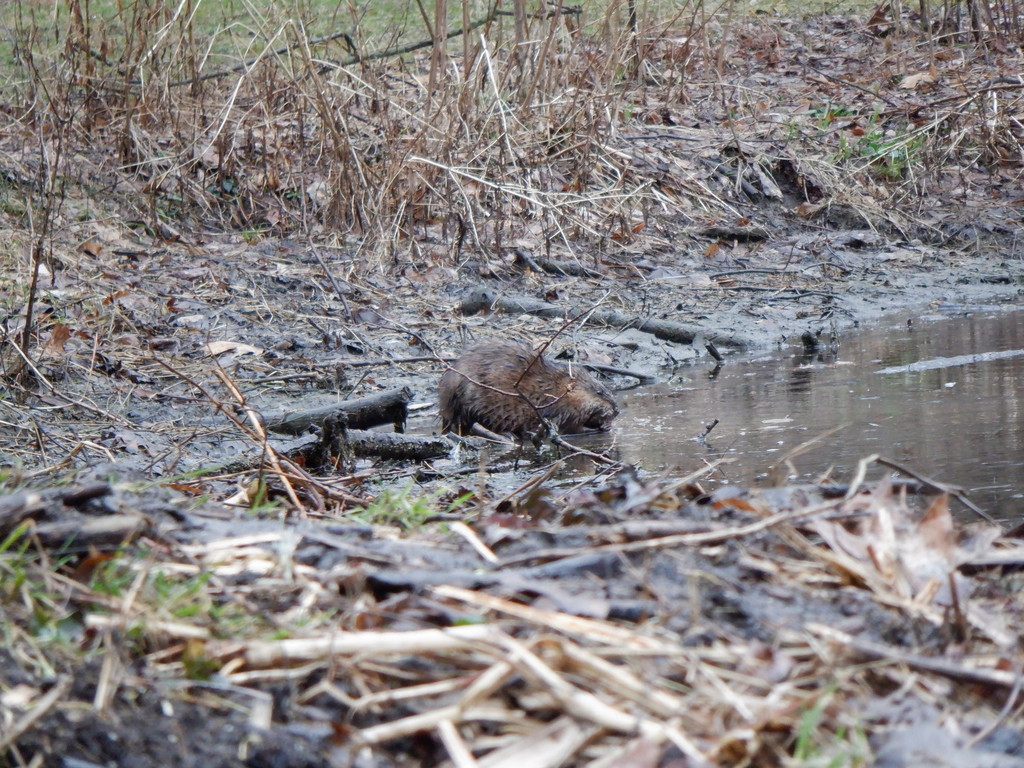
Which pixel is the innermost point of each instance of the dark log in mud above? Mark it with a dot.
(480, 300)
(92, 531)
(52, 502)
(387, 445)
(390, 407)
(318, 450)
(553, 266)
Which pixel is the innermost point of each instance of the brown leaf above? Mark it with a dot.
(936, 527)
(913, 82)
(734, 502)
(807, 210)
(92, 246)
(83, 572)
(58, 337)
(191, 490)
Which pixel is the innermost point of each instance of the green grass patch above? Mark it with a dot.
(407, 508)
(819, 746)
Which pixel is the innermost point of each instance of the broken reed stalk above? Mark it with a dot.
(512, 137)
(219, 151)
(287, 471)
(53, 113)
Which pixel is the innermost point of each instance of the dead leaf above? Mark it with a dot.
(878, 17)
(936, 527)
(911, 82)
(187, 488)
(92, 246)
(808, 210)
(58, 337)
(85, 569)
(220, 347)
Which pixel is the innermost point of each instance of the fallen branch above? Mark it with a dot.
(389, 407)
(480, 300)
(388, 445)
(643, 378)
(553, 266)
(954, 671)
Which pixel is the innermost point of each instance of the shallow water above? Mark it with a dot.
(957, 421)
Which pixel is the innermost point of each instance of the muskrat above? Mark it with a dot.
(487, 386)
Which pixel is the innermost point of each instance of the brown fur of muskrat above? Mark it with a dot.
(481, 388)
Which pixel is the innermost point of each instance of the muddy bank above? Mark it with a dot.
(623, 620)
(267, 319)
(182, 584)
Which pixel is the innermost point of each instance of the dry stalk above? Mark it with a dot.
(246, 144)
(39, 710)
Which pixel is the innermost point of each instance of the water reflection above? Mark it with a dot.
(962, 425)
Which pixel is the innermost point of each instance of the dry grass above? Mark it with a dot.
(489, 132)
(510, 132)
(509, 674)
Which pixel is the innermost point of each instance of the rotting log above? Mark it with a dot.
(339, 446)
(480, 299)
(389, 407)
(93, 531)
(51, 502)
(553, 266)
(387, 445)
(321, 449)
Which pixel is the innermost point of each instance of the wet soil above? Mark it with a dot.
(141, 341)
(146, 394)
(148, 400)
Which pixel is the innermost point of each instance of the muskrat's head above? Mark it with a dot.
(590, 406)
